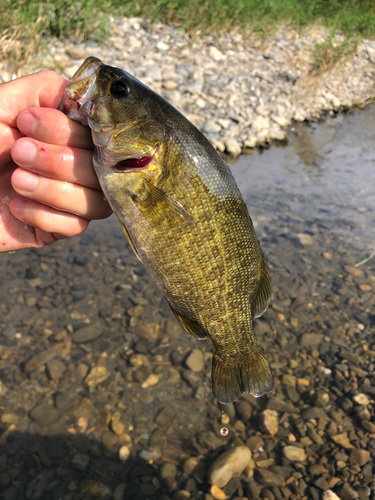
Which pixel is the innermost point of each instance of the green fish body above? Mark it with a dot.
(184, 217)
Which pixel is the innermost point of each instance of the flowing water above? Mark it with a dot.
(93, 361)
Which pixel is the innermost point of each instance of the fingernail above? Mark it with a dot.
(27, 123)
(24, 152)
(26, 181)
(18, 205)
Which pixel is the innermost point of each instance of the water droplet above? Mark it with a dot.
(224, 431)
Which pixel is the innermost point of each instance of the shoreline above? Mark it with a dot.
(240, 93)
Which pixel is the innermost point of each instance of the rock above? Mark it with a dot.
(170, 85)
(217, 493)
(243, 409)
(228, 465)
(216, 54)
(233, 147)
(9, 418)
(269, 478)
(195, 360)
(269, 422)
(168, 472)
(4, 480)
(165, 416)
(124, 453)
(76, 54)
(346, 492)
(330, 495)
(343, 440)
(39, 360)
(45, 415)
(119, 492)
(260, 124)
(354, 271)
(56, 369)
(150, 381)
(182, 495)
(154, 73)
(305, 239)
(110, 440)
(117, 427)
(89, 332)
(294, 453)
(97, 375)
(151, 454)
(314, 413)
(359, 457)
(361, 399)
(310, 339)
(190, 464)
(36, 487)
(80, 461)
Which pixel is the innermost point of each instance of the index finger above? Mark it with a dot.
(53, 127)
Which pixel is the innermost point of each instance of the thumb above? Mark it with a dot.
(43, 89)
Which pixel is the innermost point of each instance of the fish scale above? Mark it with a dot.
(184, 217)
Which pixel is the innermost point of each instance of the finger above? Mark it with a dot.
(40, 89)
(53, 127)
(63, 196)
(48, 219)
(62, 163)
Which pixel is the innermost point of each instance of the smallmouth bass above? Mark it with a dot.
(184, 217)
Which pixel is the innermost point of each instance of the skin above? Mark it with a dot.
(44, 197)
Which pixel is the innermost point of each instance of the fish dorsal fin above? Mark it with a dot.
(189, 325)
(162, 204)
(130, 240)
(262, 298)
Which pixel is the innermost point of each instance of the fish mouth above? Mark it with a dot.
(133, 164)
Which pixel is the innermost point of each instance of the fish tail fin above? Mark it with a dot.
(232, 376)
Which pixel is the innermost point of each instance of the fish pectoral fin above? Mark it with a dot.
(130, 240)
(232, 376)
(163, 205)
(262, 298)
(189, 325)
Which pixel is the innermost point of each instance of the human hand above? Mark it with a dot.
(51, 168)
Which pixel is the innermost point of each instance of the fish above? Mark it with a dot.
(184, 217)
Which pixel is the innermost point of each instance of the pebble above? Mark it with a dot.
(310, 339)
(56, 369)
(269, 422)
(45, 415)
(151, 454)
(346, 492)
(361, 399)
(269, 478)
(217, 493)
(294, 453)
(89, 332)
(195, 360)
(39, 360)
(233, 147)
(228, 465)
(359, 457)
(97, 375)
(124, 453)
(343, 440)
(80, 461)
(150, 381)
(182, 495)
(36, 487)
(305, 239)
(243, 409)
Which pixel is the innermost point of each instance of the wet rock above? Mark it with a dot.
(39, 360)
(305, 239)
(314, 413)
(56, 369)
(168, 472)
(361, 399)
(182, 495)
(310, 339)
(243, 409)
(110, 441)
(209, 440)
(89, 332)
(195, 360)
(294, 454)
(97, 375)
(342, 440)
(330, 495)
(217, 493)
(359, 457)
(269, 478)
(124, 453)
(4, 480)
(150, 454)
(119, 493)
(233, 147)
(165, 416)
(269, 422)
(36, 487)
(45, 415)
(80, 461)
(346, 492)
(228, 465)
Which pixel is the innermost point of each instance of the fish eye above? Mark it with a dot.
(119, 89)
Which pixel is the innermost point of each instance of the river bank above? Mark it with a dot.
(242, 92)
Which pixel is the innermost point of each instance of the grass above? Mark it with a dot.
(24, 24)
(331, 52)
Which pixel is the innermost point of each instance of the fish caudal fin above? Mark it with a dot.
(233, 376)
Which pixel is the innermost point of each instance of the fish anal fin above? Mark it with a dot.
(262, 298)
(163, 205)
(233, 376)
(189, 325)
(130, 240)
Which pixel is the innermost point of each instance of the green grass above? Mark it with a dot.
(24, 23)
